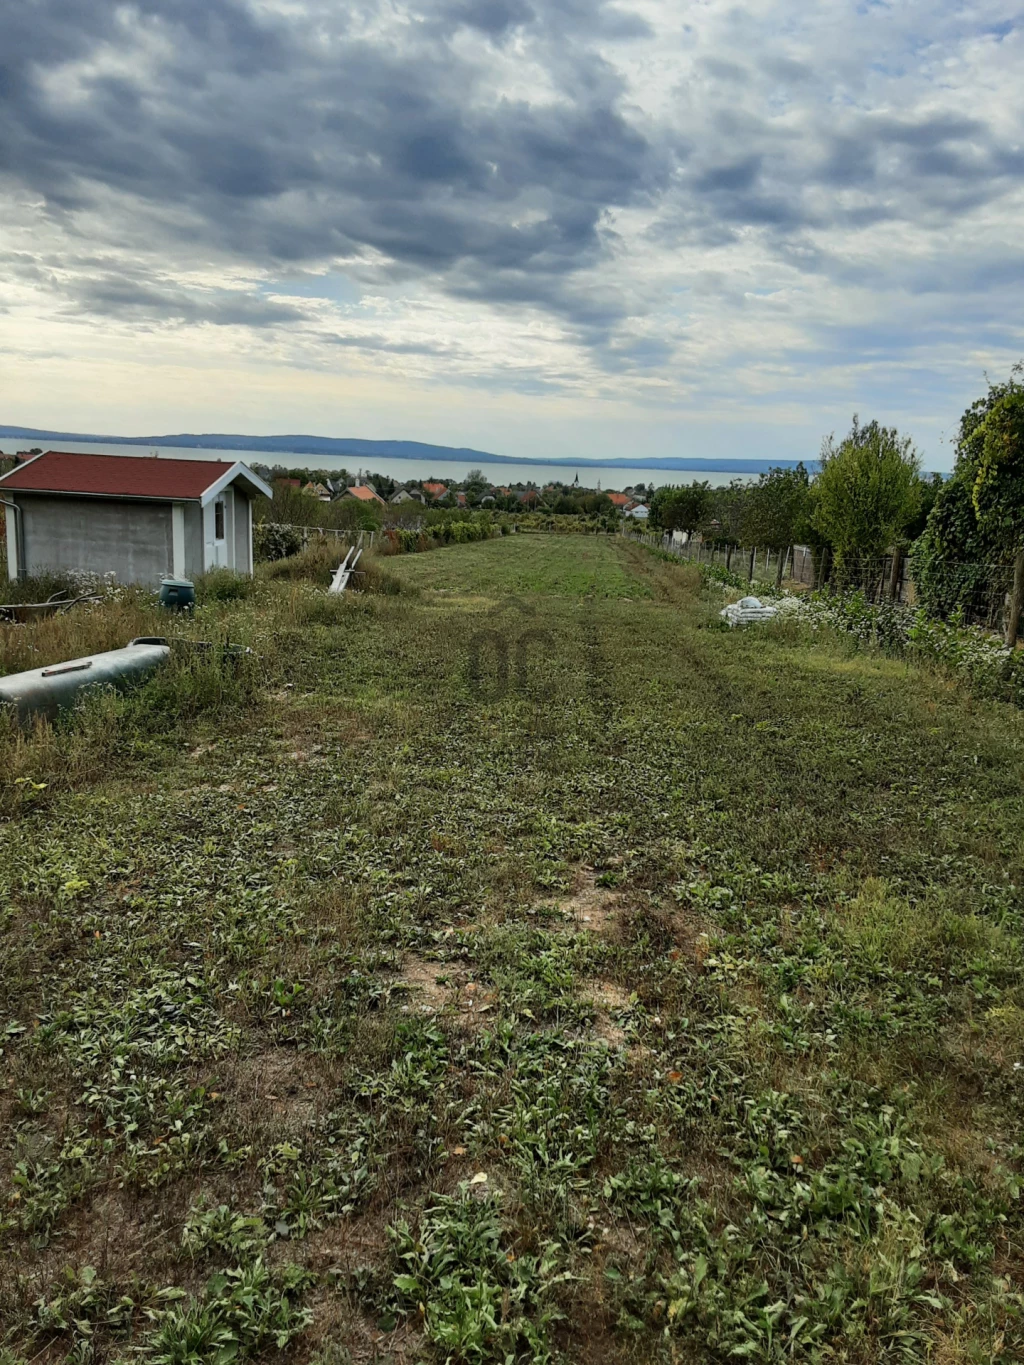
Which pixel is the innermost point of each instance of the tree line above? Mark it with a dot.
(869, 498)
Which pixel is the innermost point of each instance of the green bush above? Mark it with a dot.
(453, 530)
(979, 658)
(223, 585)
(41, 587)
(271, 541)
(316, 562)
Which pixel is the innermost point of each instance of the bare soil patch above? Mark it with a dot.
(456, 993)
(608, 997)
(427, 995)
(591, 906)
(279, 1086)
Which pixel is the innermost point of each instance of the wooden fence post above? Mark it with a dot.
(750, 570)
(1016, 601)
(894, 573)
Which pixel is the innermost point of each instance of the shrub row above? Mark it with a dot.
(399, 541)
(980, 659)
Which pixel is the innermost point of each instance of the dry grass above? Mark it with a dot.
(85, 629)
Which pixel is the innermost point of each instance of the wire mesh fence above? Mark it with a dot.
(974, 592)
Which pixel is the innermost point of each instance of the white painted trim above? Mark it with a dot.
(11, 523)
(229, 525)
(209, 551)
(221, 557)
(237, 470)
(178, 539)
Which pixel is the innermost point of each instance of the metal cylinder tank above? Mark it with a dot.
(48, 691)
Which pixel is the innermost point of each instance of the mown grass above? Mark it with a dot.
(563, 566)
(517, 971)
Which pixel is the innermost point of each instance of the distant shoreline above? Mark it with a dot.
(310, 447)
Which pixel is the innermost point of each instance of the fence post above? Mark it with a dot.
(1016, 601)
(825, 568)
(780, 568)
(894, 572)
(750, 570)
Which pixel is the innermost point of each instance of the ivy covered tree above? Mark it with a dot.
(977, 519)
(998, 491)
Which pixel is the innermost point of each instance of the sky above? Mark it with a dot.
(543, 228)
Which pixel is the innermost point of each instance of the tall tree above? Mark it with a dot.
(728, 506)
(775, 511)
(998, 490)
(683, 508)
(867, 492)
(972, 524)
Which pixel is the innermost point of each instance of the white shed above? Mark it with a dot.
(137, 517)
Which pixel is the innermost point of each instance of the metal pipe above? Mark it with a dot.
(48, 691)
(19, 537)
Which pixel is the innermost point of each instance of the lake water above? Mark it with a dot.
(401, 470)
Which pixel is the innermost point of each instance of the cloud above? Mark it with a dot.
(601, 188)
(143, 301)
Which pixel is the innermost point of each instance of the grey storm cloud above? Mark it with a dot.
(285, 139)
(121, 296)
(260, 142)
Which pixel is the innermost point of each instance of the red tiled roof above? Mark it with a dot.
(364, 494)
(436, 490)
(620, 499)
(115, 476)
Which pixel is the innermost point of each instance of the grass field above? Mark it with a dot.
(522, 970)
(560, 566)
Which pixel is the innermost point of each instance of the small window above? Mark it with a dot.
(218, 521)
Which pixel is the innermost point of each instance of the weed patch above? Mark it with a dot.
(664, 1003)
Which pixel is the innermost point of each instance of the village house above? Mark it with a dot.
(362, 492)
(317, 490)
(435, 490)
(136, 517)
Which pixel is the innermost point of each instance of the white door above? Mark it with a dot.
(220, 540)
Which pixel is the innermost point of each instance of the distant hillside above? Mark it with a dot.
(396, 450)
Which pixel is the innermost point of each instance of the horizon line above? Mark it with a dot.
(364, 447)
